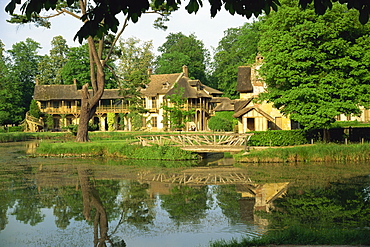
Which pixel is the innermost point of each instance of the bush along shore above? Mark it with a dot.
(308, 153)
(119, 149)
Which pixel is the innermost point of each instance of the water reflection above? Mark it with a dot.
(90, 202)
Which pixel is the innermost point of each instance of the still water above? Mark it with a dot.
(87, 202)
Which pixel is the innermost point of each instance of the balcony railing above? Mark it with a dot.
(76, 110)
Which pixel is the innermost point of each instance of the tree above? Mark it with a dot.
(99, 51)
(315, 67)
(77, 67)
(10, 99)
(34, 109)
(22, 68)
(179, 50)
(136, 58)
(51, 66)
(238, 47)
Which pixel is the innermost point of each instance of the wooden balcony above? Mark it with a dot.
(76, 110)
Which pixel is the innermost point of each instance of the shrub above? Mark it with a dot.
(111, 120)
(220, 124)
(278, 138)
(222, 121)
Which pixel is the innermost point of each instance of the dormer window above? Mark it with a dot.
(165, 85)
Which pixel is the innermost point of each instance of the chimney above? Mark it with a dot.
(37, 81)
(185, 70)
(74, 81)
(150, 71)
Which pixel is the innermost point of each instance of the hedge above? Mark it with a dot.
(278, 138)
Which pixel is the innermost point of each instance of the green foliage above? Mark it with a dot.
(136, 57)
(77, 67)
(111, 118)
(17, 84)
(222, 121)
(49, 122)
(35, 109)
(50, 67)
(175, 113)
(315, 66)
(186, 203)
(10, 98)
(179, 50)
(278, 138)
(238, 47)
(220, 124)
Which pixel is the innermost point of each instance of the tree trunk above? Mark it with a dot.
(82, 132)
(90, 102)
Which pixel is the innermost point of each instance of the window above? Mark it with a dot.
(143, 102)
(68, 104)
(44, 104)
(154, 103)
(154, 122)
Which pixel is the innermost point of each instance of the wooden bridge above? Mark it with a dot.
(222, 142)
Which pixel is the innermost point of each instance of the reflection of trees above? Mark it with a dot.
(228, 200)
(343, 204)
(186, 203)
(137, 206)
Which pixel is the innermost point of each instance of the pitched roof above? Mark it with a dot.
(183, 87)
(160, 84)
(56, 92)
(226, 104)
(250, 108)
(240, 104)
(68, 92)
(244, 84)
(212, 91)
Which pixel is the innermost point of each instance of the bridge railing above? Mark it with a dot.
(221, 139)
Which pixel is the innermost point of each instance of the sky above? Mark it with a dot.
(207, 29)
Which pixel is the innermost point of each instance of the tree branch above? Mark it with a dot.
(125, 24)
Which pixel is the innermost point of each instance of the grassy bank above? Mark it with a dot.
(310, 153)
(299, 235)
(121, 149)
(25, 136)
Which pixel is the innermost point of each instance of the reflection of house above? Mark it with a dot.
(255, 116)
(260, 197)
(63, 102)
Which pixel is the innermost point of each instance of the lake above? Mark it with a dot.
(84, 202)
